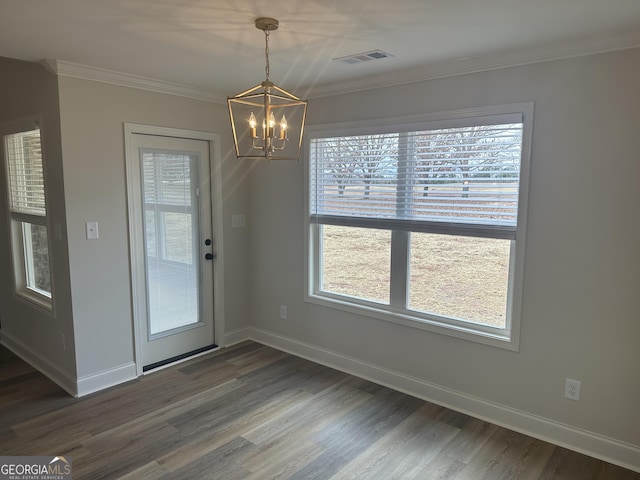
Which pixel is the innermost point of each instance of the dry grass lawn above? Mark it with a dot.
(459, 277)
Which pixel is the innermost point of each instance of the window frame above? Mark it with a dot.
(16, 221)
(508, 337)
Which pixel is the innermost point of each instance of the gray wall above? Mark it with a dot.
(83, 131)
(582, 272)
(28, 89)
(92, 117)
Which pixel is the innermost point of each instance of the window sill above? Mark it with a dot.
(506, 340)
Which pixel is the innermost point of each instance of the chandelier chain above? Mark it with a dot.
(266, 52)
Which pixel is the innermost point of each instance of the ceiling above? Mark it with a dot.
(213, 45)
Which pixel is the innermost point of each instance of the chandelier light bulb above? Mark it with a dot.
(272, 125)
(252, 124)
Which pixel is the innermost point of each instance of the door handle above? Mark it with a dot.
(209, 256)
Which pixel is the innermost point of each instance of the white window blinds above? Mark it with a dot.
(26, 177)
(167, 179)
(461, 180)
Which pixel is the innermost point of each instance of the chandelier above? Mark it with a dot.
(266, 120)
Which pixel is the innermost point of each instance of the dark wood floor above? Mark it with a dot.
(252, 412)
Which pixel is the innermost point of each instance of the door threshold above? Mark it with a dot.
(179, 359)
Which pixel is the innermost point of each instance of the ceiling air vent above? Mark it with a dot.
(363, 57)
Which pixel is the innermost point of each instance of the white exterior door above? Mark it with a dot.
(173, 249)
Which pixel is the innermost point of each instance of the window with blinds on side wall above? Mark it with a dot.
(28, 212)
(420, 224)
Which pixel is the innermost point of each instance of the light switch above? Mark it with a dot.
(92, 230)
(238, 221)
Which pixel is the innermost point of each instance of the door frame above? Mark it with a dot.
(136, 243)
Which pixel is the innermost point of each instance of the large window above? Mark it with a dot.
(28, 214)
(421, 222)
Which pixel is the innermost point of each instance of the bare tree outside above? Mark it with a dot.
(353, 167)
(460, 155)
(472, 171)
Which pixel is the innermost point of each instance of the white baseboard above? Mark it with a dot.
(107, 378)
(589, 443)
(124, 373)
(51, 370)
(236, 336)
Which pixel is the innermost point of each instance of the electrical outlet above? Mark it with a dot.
(63, 342)
(572, 389)
(283, 312)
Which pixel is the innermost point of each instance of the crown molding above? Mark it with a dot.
(96, 74)
(593, 46)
